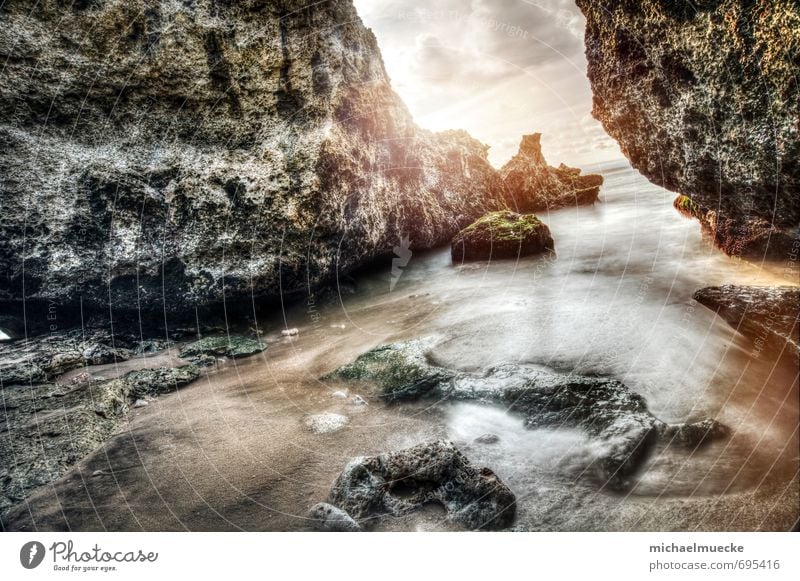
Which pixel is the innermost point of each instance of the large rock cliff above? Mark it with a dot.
(703, 99)
(160, 154)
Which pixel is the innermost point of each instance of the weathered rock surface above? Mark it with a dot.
(770, 316)
(703, 100)
(48, 428)
(234, 346)
(535, 186)
(201, 150)
(617, 417)
(397, 483)
(501, 235)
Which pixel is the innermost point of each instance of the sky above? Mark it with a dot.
(497, 68)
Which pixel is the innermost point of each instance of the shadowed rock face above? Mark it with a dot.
(703, 100)
(616, 416)
(169, 154)
(535, 186)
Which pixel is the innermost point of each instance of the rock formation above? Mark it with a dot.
(171, 154)
(616, 416)
(770, 316)
(703, 100)
(397, 483)
(535, 186)
(501, 235)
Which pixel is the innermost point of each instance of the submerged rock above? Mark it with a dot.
(48, 428)
(398, 483)
(605, 408)
(536, 186)
(327, 517)
(501, 235)
(702, 98)
(769, 316)
(225, 346)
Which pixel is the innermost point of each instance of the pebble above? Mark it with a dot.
(290, 332)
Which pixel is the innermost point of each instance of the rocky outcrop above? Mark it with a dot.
(769, 316)
(165, 155)
(398, 483)
(616, 416)
(48, 428)
(703, 100)
(501, 235)
(535, 186)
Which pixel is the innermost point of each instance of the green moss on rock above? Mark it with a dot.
(502, 234)
(224, 346)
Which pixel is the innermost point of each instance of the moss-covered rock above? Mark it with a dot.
(224, 346)
(502, 234)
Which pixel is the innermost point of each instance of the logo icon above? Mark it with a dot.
(31, 554)
(402, 256)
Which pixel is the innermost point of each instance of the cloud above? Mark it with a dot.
(498, 68)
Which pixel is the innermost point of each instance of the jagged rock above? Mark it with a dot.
(226, 346)
(770, 316)
(397, 483)
(501, 235)
(48, 428)
(536, 186)
(703, 100)
(617, 417)
(327, 517)
(206, 150)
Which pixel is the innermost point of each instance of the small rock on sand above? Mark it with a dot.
(326, 423)
(327, 517)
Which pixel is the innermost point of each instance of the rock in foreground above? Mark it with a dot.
(703, 99)
(535, 186)
(397, 483)
(501, 235)
(770, 316)
(616, 416)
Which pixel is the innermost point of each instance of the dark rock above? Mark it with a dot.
(488, 439)
(48, 428)
(226, 346)
(397, 483)
(501, 235)
(617, 417)
(536, 186)
(695, 434)
(704, 103)
(327, 517)
(770, 316)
